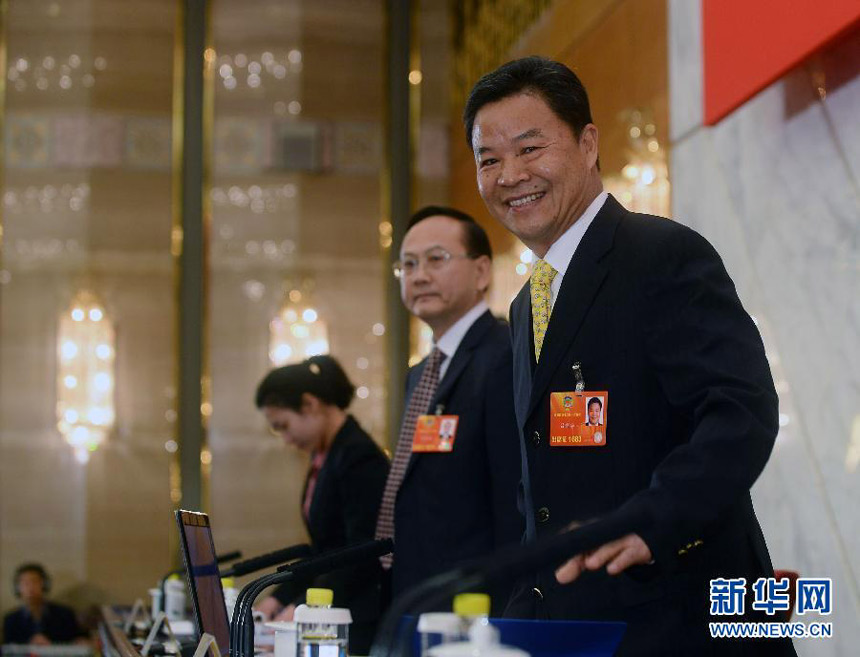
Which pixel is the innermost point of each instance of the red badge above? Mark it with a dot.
(435, 433)
(578, 419)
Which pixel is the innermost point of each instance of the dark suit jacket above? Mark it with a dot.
(456, 506)
(343, 512)
(58, 623)
(649, 311)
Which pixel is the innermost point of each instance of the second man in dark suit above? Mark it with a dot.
(451, 496)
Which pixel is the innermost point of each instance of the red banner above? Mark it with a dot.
(750, 43)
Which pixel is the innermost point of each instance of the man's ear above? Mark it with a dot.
(589, 142)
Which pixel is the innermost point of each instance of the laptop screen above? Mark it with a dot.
(204, 579)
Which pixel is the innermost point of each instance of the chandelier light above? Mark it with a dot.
(643, 185)
(296, 332)
(86, 354)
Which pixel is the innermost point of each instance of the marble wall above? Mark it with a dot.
(775, 186)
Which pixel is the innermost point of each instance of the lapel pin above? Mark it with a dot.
(577, 373)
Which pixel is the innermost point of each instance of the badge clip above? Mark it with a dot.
(440, 409)
(577, 373)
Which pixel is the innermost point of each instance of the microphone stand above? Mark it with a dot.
(242, 627)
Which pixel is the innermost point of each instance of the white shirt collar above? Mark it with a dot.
(562, 250)
(452, 338)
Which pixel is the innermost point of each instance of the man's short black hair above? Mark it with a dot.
(559, 87)
(595, 400)
(474, 237)
(31, 567)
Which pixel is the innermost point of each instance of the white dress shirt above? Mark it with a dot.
(452, 338)
(562, 250)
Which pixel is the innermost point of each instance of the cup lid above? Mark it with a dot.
(282, 626)
(439, 622)
(334, 615)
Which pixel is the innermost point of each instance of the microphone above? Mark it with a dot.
(504, 564)
(340, 558)
(242, 627)
(268, 560)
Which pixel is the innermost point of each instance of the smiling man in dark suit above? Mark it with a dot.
(640, 312)
(451, 491)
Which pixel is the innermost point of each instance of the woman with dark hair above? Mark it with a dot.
(306, 405)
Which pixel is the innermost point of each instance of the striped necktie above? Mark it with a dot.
(539, 284)
(419, 403)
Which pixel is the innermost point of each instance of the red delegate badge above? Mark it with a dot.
(578, 419)
(435, 433)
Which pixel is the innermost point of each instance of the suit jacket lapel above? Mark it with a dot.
(581, 282)
(458, 364)
(462, 357)
(524, 353)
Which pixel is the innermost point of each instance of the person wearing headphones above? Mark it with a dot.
(38, 621)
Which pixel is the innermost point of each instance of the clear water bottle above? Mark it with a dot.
(323, 630)
(442, 628)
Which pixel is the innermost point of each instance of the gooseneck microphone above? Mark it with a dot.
(242, 627)
(268, 560)
(505, 564)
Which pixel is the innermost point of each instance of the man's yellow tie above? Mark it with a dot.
(540, 282)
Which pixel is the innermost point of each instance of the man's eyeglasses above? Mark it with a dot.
(433, 260)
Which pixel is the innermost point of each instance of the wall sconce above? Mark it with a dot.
(296, 332)
(86, 353)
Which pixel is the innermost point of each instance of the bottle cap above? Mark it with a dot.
(320, 597)
(472, 604)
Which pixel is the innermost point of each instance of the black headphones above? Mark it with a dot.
(32, 568)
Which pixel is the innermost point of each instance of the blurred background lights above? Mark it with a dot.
(297, 332)
(85, 375)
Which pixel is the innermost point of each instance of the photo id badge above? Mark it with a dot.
(578, 419)
(435, 433)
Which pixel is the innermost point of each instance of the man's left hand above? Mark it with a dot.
(617, 556)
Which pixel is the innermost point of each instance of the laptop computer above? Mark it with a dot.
(204, 579)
